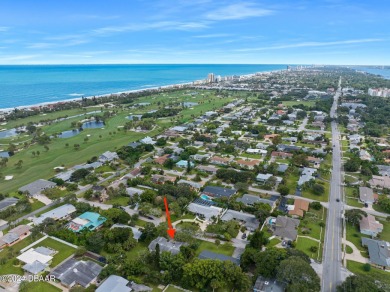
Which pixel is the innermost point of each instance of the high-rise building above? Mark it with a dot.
(211, 78)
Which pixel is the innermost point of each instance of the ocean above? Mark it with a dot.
(385, 73)
(31, 85)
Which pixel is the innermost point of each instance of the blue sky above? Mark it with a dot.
(194, 31)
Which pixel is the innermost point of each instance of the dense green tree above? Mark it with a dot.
(354, 216)
(359, 283)
(297, 273)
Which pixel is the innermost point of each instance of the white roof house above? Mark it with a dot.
(147, 140)
(56, 214)
(31, 255)
(108, 156)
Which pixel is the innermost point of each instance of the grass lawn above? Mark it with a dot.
(8, 267)
(323, 198)
(292, 182)
(123, 201)
(310, 224)
(273, 242)
(354, 236)
(141, 222)
(385, 234)
(34, 206)
(379, 208)
(39, 287)
(174, 289)
(222, 248)
(304, 244)
(63, 250)
(375, 274)
(348, 249)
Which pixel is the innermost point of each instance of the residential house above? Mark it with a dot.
(220, 160)
(8, 202)
(307, 175)
(36, 260)
(184, 163)
(268, 285)
(256, 151)
(134, 145)
(108, 156)
(382, 182)
(161, 160)
(270, 137)
(87, 220)
(379, 252)
(250, 200)
(364, 155)
(366, 195)
(60, 213)
(263, 178)
(209, 255)
(218, 192)
(384, 170)
(166, 245)
(280, 154)
(192, 184)
(147, 140)
(131, 191)
(316, 162)
(288, 148)
(200, 157)
(15, 235)
(204, 211)
(370, 226)
(36, 187)
(73, 272)
(135, 172)
(249, 164)
(285, 227)
(208, 169)
(117, 283)
(248, 220)
(300, 207)
(162, 179)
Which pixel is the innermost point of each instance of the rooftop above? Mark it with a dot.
(205, 254)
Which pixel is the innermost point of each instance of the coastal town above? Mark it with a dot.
(268, 177)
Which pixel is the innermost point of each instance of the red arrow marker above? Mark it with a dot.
(170, 231)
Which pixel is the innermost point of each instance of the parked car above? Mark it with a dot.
(243, 236)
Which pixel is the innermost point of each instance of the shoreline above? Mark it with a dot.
(75, 99)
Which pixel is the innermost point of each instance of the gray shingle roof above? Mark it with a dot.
(34, 268)
(378, 250)
(44, 250)
(205, 254)
(37, 186)
(249, 220)
(286, 227)
(7, 202)
(206, 211)
(80, 272)
(219, 192)
(251, 200)
(171, 246)
(114, 283)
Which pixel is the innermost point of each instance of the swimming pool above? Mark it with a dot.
(206, 198)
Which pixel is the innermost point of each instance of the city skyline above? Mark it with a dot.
(199, 32)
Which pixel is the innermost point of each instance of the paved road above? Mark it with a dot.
(302, 126)
(29, 215)
(332, 259)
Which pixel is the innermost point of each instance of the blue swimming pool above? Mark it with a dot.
(206, 198)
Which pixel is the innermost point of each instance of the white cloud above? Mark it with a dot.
(310, 44)
(238, 11)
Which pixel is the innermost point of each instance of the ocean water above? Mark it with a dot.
(29, 85)
(385, 73)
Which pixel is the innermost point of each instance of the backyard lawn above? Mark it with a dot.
(121, 200)
(63, 250)
(375, 274)
(39, 287)
(354, 236)
(8, 267)
(222, 248)
(304, 244)
(310, 225)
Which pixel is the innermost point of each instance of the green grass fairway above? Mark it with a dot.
(294, 102)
